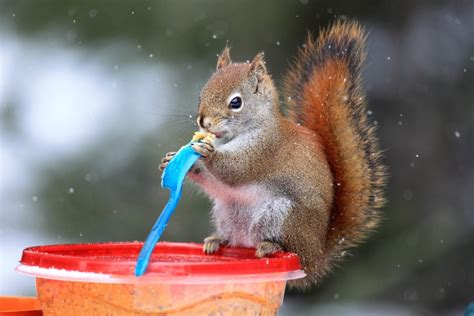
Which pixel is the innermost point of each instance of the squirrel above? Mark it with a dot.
(310, 181)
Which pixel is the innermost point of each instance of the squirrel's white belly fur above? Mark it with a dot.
(246, 224)
(247, 214)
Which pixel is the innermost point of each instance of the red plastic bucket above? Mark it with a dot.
(99, 279)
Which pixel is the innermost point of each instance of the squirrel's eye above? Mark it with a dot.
(235, 103)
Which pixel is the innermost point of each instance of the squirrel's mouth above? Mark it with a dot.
(218, 134)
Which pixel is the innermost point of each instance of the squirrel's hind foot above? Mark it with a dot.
(212, 244)
(267, 248)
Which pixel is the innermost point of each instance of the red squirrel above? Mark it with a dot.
(309, 182)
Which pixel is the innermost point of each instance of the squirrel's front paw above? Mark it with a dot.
(267, 248)
(212, 244)
(166, 160)
(205, 149)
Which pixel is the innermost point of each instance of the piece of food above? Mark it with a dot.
(207, 137)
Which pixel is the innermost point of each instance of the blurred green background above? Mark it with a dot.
(94, 93)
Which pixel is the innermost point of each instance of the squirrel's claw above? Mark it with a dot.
(205, 149)
(212, 244)
(267, 248)
(166, 159)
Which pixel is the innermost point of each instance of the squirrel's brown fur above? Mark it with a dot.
(325, 94)
(309, 183)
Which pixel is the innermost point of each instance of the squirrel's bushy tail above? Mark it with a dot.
(325, 94)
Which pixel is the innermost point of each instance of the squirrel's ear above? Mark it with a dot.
(224, 58)
(257, 67)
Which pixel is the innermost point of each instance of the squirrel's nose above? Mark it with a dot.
(204, 122)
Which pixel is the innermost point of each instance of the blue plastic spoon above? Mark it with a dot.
(171, 179)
